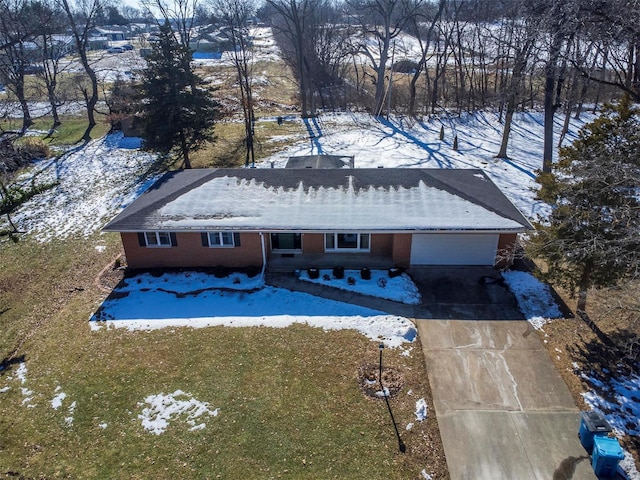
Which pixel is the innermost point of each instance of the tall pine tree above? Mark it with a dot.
(592, 237)
(178, 113)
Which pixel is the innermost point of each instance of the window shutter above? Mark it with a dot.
(174, 240)
(141, 240)
(236, 239)
(205, 239)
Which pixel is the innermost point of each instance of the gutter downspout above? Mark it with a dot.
(264, 255)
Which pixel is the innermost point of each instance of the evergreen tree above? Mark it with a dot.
(592, 237)
(178, 113)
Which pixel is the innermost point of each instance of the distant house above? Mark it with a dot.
(111, 34)
(286, 219)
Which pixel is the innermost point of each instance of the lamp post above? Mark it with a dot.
(401, 446)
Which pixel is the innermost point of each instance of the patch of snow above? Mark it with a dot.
(421, 410)
(425, 475)
(627, 467)
(100, 248)
(102, 425)
(56, 402)
(534, 297)
(21, 373)
(162, 408)
(68, 420)
(382, 393)
(409, 426)
(616, 395)
(152, 303)
(399, 289)
(538, 322)
(27, 394)
(406, 352)
(4, 389)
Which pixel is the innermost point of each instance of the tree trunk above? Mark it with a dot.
(185, 150)
(24, 106)
(506, 130)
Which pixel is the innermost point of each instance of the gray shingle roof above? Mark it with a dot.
(322, 199)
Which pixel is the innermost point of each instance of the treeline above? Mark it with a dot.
(412, 57)
(464, 54)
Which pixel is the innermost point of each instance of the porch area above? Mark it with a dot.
(286, 263)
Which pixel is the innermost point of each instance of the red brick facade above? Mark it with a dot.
(190, 252)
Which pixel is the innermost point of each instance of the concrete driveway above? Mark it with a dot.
(503, 411)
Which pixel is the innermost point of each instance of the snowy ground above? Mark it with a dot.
(199, 300)
(399, 289)
(94, 182)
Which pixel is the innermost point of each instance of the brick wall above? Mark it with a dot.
(191, 253)
(313, 243)
(382, 244)
(401, 253)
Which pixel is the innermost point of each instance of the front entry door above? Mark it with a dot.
(289, 242)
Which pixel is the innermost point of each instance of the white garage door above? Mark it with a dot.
(454, 249)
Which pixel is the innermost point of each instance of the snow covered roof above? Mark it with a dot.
(380, 199)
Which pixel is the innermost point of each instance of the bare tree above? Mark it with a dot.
(181, 14)
(292, 21)
(235, 14)
(523, 36)
(51, 49)
(81, 21)
(381, 21)
(16, 58)
(424, 38)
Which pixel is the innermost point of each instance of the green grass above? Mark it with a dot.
(228, 149)
(290, 404)
(69, 133)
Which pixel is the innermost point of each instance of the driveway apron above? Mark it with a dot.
(503, 411)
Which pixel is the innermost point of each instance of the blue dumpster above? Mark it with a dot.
(592, 424)
(606, 456)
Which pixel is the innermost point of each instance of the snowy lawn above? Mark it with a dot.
(399, 289)
(93, 183)
(534, 297)
(195, 403)
(199, 300)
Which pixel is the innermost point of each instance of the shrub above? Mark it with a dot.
(382, 282)
(365, 273)
(395, 272)
(338, 272)
(220, 272)
(313, 273)
(35, 148)
(351, 281)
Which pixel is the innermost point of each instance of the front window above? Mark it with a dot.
(347, 241)
(221, 239)
(157, 239)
